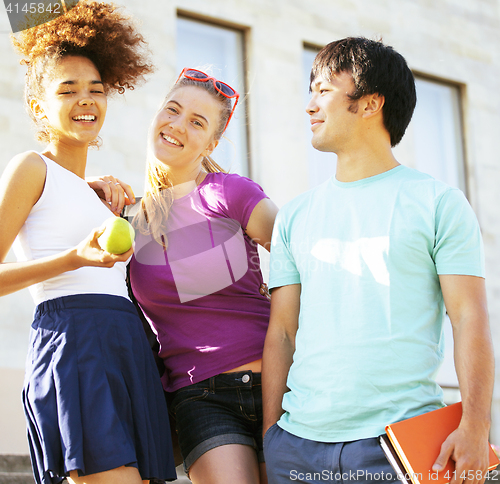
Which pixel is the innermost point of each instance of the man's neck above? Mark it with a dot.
(364, 164)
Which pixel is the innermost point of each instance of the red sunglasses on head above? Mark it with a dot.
(225, 89)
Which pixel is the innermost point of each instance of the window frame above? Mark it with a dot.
(243, 103)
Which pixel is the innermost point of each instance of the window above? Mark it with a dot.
(220, 51)
(321, 165)
(433, 142)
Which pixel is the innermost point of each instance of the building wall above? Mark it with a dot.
(455, 40)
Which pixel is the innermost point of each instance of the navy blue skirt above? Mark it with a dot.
(92, 395)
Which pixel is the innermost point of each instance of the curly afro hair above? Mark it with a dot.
(95, 30)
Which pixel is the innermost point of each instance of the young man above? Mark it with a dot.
(362, 269)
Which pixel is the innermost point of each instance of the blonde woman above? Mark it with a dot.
(196, 275)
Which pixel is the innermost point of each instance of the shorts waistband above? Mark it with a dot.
(238, 379)
(86, 301)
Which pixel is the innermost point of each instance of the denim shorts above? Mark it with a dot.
(224, 409)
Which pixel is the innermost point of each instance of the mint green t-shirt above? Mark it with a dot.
(368, 255)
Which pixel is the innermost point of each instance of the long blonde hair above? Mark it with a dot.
(151, 219)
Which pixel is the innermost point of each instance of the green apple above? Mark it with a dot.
(117, 237)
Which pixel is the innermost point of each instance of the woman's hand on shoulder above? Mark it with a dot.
(113, 191)
(264, 291)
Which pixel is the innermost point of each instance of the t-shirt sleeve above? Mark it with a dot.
(241, 195)
(458, 245)
(283, 270)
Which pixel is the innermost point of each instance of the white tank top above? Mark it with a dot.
(65, 214)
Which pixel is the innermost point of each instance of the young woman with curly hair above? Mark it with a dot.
(94, 404)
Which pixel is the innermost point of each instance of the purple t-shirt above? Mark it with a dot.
(201, 296)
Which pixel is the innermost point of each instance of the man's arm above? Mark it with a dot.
(279, 348)
(465, 301)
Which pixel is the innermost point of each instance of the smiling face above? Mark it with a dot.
(183, 130)
(332, 114)
(74, 102)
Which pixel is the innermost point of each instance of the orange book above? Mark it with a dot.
(413, 445)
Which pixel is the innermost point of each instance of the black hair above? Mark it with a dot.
(375, 68)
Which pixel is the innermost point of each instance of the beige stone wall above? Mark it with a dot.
(456, 40)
